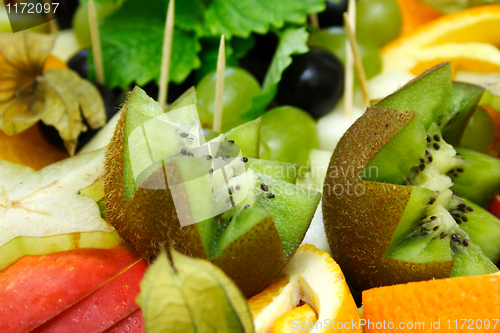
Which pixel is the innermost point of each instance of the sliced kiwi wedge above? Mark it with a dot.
(165, 184)
(417, 212)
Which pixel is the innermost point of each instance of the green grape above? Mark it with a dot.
(379, 19)
(239, 88)
(81, 18)
(288, 134)
(334, 39)
(480, 132)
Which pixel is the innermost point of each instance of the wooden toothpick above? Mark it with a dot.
(54, 27)
(219, 86)
(96, 43)
(358, 64)
(168, 37)
(349, 61)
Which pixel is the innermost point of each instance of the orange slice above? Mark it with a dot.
(460, 304)
(313, 277)
(414, 14)
(469, 39)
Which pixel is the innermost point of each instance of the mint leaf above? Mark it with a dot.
(189, 15)
(241, 17)
(191, 295)
(292, 41)
(132, 39)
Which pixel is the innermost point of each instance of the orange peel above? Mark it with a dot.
(454, 305)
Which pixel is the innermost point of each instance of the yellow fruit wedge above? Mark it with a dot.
(301, 314)
(314, 278)
(469, 39)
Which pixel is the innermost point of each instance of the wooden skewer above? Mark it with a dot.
(314, 20)
(349, 61)
(54, 27)
(358, 64)
(96, 43)
(219, 86)
(168, 37)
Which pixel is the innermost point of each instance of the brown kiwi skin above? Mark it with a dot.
(360, 228)
(149, 222)
(258, 250)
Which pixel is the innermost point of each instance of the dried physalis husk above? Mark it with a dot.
(58, 97)
(23, 56)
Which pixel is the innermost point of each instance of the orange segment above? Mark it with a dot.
(313, 277)
(29, 148)
(414, 14)
(457, 304)
(54, 62)
(289, 322)
(468, 38)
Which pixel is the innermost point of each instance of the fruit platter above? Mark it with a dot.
(250, 166)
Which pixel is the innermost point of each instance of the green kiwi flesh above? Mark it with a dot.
(478, 178)
(429, 95)
(463, 100)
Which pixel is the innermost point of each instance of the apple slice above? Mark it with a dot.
(104, 307)
(37, 288)
(42, 212)
(134, 323)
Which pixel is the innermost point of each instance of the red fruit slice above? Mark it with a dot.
(36, 288)
(495, 206)
(132, 324)
(103, 308)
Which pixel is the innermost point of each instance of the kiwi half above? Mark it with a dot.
(402, 220)
(252, 241)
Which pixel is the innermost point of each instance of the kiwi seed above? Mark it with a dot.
(264, 187)
(436, 137)
(465, 242)
(270, 195)
(436, 146)
(184, 135)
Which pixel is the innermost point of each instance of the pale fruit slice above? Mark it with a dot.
(313, 277)
(450, 38)
(297, 320)
(42, 212)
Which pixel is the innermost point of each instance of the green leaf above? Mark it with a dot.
(241, 17)
(292, 41)
(192, 296)
(132, 39)
(189, 15)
